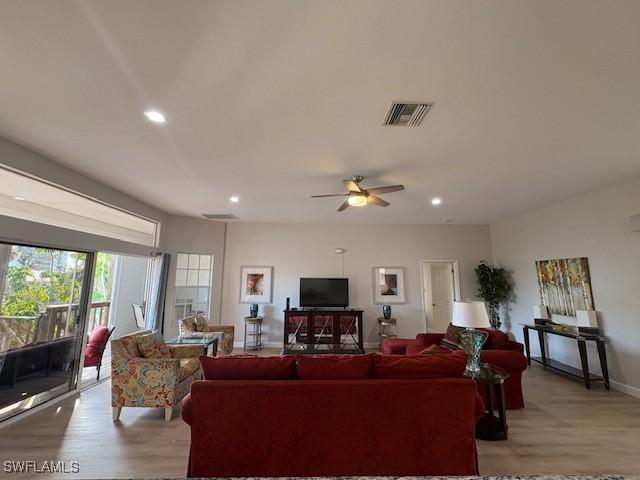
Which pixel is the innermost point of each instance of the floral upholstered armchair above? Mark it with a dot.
(159, 381)
(194, 324)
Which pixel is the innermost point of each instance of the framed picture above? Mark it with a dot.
(565, 285)
(388, 285)
(256, 284)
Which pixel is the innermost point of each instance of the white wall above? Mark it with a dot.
(193, 235)
(594, 225)
(12, 229)
(128, 280)
(301, 250)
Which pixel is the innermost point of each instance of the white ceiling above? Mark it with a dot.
(535, 101)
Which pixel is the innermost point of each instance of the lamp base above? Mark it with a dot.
(472, 341)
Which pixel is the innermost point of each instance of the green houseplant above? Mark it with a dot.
(494, 287)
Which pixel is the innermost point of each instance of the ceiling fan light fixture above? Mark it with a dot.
(357, 200)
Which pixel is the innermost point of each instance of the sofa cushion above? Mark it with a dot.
(334, 367)
(451, 338)
(187, 367)
(248, 368)
(152, 345)
(496, 340)
(420, 366)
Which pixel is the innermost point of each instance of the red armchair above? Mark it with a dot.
(509, 356)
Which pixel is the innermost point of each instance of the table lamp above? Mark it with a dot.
(471, 315)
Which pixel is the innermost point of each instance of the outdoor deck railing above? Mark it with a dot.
(55, 322)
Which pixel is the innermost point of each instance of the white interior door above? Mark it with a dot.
(439, 294)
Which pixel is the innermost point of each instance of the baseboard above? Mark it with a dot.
(628, 389)
(370, 345)
(264, 345)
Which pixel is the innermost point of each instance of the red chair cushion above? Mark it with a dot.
(420, 366)
(249, 368)
(93, 350)
(334, 367)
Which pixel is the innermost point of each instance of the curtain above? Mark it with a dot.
(158, 277)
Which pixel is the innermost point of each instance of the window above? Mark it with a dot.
(193, 284)
(33, 199)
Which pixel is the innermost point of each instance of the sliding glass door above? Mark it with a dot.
(44, 296)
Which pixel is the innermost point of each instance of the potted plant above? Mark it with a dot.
(494, 287)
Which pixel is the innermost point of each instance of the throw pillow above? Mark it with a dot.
(419, 366)
(201, 323)
(152, 345)
(334, 367)
(414, 349)
(248, 368)
(451, 338)
(434, 350)
(187, 326)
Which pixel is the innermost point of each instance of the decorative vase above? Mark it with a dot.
(253, 310)
(472, 341)
(386, 312)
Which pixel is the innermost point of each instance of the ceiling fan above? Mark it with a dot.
(359, 197)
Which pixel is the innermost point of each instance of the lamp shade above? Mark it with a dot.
(470, 315)
(541, 312)
(586, 318)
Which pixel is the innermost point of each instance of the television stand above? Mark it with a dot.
(323, 331)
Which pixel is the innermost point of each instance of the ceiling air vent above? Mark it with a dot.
(407, 114)
(220, 216)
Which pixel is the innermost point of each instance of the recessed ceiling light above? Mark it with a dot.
(155, 116)
(234, 199)
(436, 201)
(20, 199)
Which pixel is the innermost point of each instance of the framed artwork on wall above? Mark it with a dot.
(256, 284)
(388, 285)
(565, 285)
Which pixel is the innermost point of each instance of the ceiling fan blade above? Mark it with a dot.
(330, 195)
(373, 200)
(351, 186)
(387, 189)
(343, 206)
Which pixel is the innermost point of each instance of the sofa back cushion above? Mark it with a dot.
(334, 367)
(152, 346)
(420, 366)
(248, 368)
(496, 340)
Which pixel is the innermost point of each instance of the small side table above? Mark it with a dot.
(490, 427)
(209, 342)
(386, 329)
(253, 333)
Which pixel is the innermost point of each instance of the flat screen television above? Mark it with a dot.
(324, 292)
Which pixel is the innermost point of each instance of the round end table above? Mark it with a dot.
(490, 426)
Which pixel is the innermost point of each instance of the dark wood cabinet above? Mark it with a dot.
(323, 331)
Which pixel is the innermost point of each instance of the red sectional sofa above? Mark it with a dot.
(332, 415)
(498, 350)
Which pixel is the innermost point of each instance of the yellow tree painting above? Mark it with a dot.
(565, 285)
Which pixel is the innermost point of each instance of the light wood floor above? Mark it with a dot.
(564, 429)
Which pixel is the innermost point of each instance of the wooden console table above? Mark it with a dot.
(581, 339)
(323, 331)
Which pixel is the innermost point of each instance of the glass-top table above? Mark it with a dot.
(209, 341)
